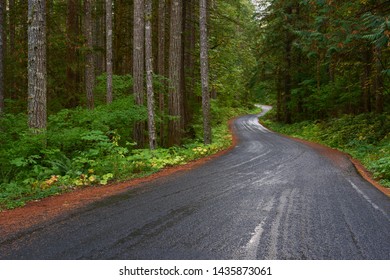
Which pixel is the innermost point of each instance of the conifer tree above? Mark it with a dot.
(37, 112)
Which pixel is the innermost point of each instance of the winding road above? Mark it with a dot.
(270, 197)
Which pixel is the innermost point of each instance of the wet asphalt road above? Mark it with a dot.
(269, 198)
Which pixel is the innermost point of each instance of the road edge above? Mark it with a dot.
(40, 212)
(359, 167)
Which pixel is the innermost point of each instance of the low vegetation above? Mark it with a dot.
(90, 148)
(365, 137)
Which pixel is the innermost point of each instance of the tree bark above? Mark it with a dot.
(11, 6)
(109, 96)
(139, 65)
(89, 65)
(204, 69)
(149, 74)
(189, 68)
(2, 47)
(37, 65)
(123, 37)
(175, 68)
(99, 34)
(161, 64)
(72, 70)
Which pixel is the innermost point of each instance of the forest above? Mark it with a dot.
(325, 65)
(95, 91)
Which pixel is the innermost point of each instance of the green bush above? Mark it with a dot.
(121, 87)
(83, 147)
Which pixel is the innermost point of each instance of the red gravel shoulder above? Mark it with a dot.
(38, 212)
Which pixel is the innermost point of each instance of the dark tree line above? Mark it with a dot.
(56, 49)
(324, 58)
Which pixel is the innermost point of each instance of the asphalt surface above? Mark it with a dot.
(269, 198)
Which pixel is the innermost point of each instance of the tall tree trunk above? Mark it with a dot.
(72, 73)
(175, 70)
(123, 37)
(161, 64)
(189, 59)
(2, 47)
(139, 65)
(149, 74)
(109, 96)
(89, 65)
(204, 69)
(99, 35)
(12, 31)
(37, 65)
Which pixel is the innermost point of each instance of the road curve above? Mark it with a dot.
(269, 198)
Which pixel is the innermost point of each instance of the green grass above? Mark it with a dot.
(365, 137)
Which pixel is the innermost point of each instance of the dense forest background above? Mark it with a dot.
(68, 52)
(325, 65)
(324, 58)
(87, 86)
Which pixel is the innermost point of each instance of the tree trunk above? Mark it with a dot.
(2, 47)
(161, 65)
(123, 37)
(89, 65)
(109, 96)
(37, 65)
(72, 73)
(99, 34)
(149, 74)
(204, 69)
(12, 31)
(175, 68)
(139, 65)
(189, 60)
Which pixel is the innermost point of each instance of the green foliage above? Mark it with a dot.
(231, 56)
(379, 27)
(319, 59)
(82, 148)
(122, 85)
(365, 136)
(63, 157)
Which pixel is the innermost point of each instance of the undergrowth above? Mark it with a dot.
(90, 148)
(365, 137)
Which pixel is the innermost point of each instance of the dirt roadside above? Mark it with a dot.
(47, 209)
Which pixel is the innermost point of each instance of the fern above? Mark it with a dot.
(378, 27)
